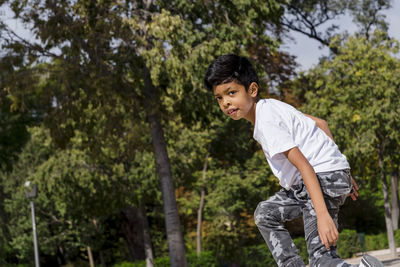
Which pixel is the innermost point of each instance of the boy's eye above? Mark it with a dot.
(232, 92)
(218, 98)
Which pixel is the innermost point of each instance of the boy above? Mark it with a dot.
(300, 150)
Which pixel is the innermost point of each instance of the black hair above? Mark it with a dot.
(228, 68)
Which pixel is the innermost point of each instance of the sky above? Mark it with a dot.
(306, 50)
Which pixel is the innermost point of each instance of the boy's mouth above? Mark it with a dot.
(232, 111)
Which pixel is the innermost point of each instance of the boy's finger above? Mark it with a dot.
(334, 241)
(336, 234)
(354, 183)
(328, 247)
(335, 237)
(322, 239)
(331, 239)
(325, 242)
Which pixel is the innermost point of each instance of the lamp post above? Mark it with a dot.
(31, 193)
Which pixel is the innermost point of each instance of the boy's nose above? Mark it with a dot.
(226, 103)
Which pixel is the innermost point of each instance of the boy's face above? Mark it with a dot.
(234, 101)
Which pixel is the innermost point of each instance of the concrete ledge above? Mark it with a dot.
(383, 255)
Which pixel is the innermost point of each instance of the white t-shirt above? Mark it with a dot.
(279, 127)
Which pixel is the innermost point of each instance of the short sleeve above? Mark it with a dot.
(276, 137)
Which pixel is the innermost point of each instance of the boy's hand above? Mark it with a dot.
(354, 195)
(327, 230)
(326, 227)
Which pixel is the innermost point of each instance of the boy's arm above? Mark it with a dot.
(327, 230)
(323, 125)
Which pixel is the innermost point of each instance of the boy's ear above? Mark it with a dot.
(253, 89)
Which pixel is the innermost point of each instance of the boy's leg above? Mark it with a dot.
(335, 186)
(269, 216)
(318, 254)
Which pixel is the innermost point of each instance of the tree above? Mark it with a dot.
(34, 153)
(357, 92)
(13, 136)
(366, 14)
(233, 194)
(152, 52)
(307, 17)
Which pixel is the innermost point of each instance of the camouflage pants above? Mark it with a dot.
(289, 204)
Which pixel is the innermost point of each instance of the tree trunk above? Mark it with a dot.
(102, 261)
(60, 256)
(133, 229)
(201, 206)
(89, 252)
(388, 215)
(172, 223)
(394, 179)
(59, 252)
(148, 250)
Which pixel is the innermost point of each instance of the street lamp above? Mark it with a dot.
(31, 193)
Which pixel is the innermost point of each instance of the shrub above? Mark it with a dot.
(348, 244)
(257, 256)
(397, 237)
(301, 245)
(375, 242)
(379, 241)
(260, 255)
(129, 264)
(206, 258)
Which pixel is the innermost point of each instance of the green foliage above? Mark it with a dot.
(379, 241)
(92, 156)
(370, 201)
(375, 242)
(252, 256)
(36, 151)
(301, 245)
(206, 258)
(348, 244)
(74, 191)
(366, 14)
(13, 134)
(307, 17)
(94, 93)
(356, 92)
(232, 197)
(257, 256)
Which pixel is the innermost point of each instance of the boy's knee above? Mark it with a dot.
(261, 213)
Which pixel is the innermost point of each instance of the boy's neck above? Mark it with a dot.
(252, 113)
